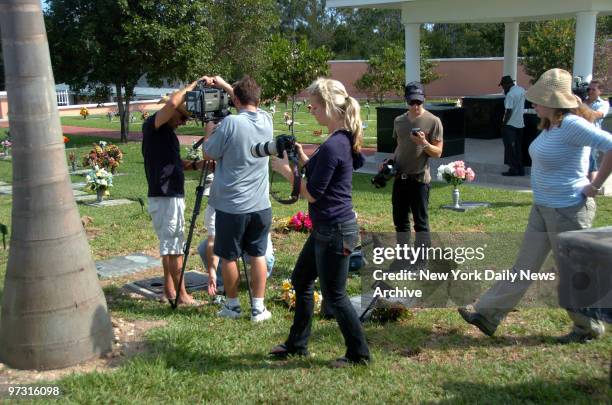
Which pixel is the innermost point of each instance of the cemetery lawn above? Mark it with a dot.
(197, 357)
(304, 128)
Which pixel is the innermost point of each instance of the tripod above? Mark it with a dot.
(194, 217)
(196, 212)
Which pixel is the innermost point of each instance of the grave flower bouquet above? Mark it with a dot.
(300, 222)
(455, 173)
(6, 146)
(105, 155)
(288, 296)
(194, 154)
(99, 179)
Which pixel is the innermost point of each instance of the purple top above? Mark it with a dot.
(330, 174)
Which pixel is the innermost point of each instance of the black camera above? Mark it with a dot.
(580, 88)
(208, 103)
(386, 173)
(282, 143)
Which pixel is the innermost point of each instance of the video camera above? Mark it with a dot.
(208, 103)
(580, 88)
(386, 173)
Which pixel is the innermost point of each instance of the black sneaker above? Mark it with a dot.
(282, 352)
(509, 173)
(576, 337)
(474, 318)
(344, 362)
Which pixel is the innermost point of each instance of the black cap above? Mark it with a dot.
(506, 80)
(414, 91)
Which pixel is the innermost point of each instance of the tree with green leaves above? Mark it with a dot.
(291, 67)
(240, 31)
(549, 44)
(114, 42)
(386, 72)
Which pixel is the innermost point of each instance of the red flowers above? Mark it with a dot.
(66, 139)
(300, 222)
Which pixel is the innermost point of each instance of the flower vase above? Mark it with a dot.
(456, 198)
(100, 194)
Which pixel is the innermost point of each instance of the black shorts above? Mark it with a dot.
(239, 233)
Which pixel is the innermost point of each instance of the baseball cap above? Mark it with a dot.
(414, 91)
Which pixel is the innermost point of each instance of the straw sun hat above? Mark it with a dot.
(553, 89)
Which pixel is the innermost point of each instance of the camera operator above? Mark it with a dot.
(166, 203)
(239, 194)
(419, 136)
(600, 108)
(335, 231)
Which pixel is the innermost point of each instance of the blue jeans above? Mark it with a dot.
(270, 259)
(326, 255)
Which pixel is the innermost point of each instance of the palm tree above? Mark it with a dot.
(54, 313)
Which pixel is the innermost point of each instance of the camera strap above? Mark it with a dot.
(295, 192)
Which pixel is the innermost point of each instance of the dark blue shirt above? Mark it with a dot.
(162, 160)
(330, 173)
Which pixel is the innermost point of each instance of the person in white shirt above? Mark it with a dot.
(600, 108)
(512, 128)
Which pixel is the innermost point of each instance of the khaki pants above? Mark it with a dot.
(540, 237)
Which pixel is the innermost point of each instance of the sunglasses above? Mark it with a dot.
(415, 102)
(591, 89)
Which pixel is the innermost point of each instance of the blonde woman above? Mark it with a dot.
(335, 232)
(562, 194)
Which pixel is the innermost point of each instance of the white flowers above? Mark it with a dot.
(99, 179)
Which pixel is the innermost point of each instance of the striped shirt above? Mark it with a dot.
(560, 161)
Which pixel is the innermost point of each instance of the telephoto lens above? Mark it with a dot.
(264, 149)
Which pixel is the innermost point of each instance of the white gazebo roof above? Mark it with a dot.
(463, 11)
(510, 12)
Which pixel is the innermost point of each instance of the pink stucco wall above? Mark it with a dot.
(458, 77)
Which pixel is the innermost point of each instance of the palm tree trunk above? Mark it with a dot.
(54, 313)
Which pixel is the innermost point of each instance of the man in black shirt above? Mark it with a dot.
(164, 171)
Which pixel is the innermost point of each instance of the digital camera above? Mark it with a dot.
(387, 172)
(282, 143)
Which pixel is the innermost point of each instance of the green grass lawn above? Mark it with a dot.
(198, 357)
(305, 124)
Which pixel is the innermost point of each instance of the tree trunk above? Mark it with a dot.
(293, 115)
(121, 109)
(129, 92)
(54, 313)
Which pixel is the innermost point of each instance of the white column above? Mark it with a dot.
(511, 37)
(413, 52)
(584, 48)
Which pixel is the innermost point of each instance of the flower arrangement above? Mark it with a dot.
(6, 146)
(72, 160)
(105, 155)
(288, 296)
(194, 154)
(98, 179)
(300, 222)
(84, 112)
(456, 173)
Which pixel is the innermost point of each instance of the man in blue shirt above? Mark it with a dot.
(239, 194)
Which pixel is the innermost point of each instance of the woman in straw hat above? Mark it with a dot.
(562, 194)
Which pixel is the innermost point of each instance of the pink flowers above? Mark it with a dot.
(456, 173)
(300, 222)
